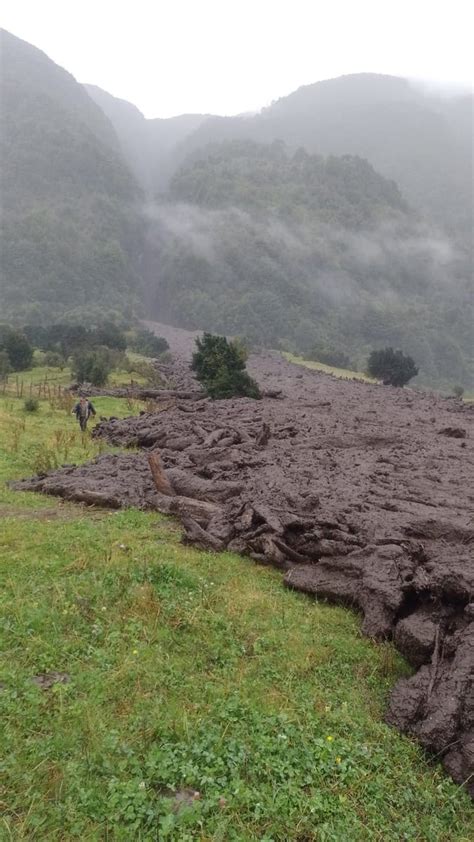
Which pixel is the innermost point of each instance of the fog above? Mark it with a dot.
(253, 274)
(233, 57)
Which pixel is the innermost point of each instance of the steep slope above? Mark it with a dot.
(421, 141)
(71, 233)
(298, 249)
(151, 147)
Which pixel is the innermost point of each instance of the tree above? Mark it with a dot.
(220, 367)
(92, 366)
(5, 367)
(109, 334)
(17, 347)
(393, 367)
(145, 342)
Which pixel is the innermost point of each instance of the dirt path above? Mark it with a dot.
(360, 493)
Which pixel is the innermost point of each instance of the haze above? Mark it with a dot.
(231, 57)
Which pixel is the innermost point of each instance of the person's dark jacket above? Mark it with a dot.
(89, 410)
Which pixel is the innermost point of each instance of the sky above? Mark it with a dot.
(171, 57)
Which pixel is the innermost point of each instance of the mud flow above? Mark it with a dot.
(360, 494)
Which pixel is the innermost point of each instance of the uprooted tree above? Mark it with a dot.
(394, 368)
(220, 367)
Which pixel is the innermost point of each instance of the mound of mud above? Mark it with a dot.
(350, 489)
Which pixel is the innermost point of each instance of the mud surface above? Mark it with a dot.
(357, 492)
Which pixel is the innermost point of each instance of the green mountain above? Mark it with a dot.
(420, 140)
(300, 250)
(70, 226)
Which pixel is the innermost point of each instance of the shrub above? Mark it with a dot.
(220, 367)
(458, 391)
(54, 360)
(393, 367)
(31, 405)
(145, 342)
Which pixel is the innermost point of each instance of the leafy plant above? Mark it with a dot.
(145, 342)
(393, 367)
(458, 391)
(31, 405)
(220, 366)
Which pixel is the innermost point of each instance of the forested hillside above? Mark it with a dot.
(298, 245)
(297, 250)
(423, 142)
(71, 230)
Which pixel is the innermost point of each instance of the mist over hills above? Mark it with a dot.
(341, 215)
(294, 249)
(150, 146)
(421, 140)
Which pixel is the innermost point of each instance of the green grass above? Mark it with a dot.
(25, 381)
(186, 670)
(343, 373)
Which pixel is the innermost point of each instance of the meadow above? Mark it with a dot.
(151, 691)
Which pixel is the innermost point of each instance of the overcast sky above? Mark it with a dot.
(228, 56)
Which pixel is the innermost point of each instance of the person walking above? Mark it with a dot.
(83, 411)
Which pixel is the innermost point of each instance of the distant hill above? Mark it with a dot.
(151, 147)
(421, 141)
(297, 250)
(71, 232)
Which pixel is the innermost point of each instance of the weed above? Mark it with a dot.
(31, 405)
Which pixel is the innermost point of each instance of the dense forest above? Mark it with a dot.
(338, 218)
(297, 250)
(423, 141)
(71, 229)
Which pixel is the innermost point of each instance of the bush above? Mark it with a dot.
(145, 342)
(458, 391)
(92, 366)
(54, 360)
(393, 367)
(220, 367)
(16, 345)
(31, 405)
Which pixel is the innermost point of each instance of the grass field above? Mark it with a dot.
(187, 672)
(343, 373)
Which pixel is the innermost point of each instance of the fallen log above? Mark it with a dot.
(277, 394)
(264, 436)
(195, 534)
(199, 510)
(141, 394)
(162, 483)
